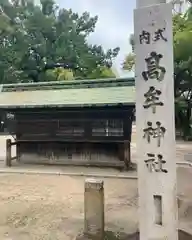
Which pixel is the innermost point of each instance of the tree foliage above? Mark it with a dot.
(183, 70)
(35, 36)
(129, 62)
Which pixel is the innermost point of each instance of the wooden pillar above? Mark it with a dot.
(18, 148)
(127, 154)
(125, 147)
(18, 152)
(120, 152)
(8, 153)
(124, 153)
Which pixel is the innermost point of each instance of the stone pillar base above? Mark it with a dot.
(82, 237)
(135, 236)
(85, 237)
(110, 235)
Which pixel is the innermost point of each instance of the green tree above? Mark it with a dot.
(59, 74)
(33, 37)
(102, 72)
(129, 61)
(183, 71)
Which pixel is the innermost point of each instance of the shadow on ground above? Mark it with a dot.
(182, 236)
(135, 236)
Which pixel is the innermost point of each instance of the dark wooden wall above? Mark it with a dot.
(84, 124)
(85, 132)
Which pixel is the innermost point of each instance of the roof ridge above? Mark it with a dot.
(77, 84)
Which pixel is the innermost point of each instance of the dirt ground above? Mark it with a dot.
(51, 207)
(45, 207)
(42, 207)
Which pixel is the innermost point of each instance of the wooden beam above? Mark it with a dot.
(127, 154)
(8, 153)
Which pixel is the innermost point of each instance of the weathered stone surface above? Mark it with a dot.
(94, 208)
(157, 180)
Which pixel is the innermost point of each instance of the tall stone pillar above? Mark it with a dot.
(155, 120)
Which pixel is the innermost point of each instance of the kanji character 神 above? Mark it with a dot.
(157, 132)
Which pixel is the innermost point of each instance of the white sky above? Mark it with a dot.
(115, 23)
(114, 26)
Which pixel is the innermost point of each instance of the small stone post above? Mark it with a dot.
(94, 209)
(8, 153)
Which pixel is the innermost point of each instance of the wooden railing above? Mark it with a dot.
(9, 158)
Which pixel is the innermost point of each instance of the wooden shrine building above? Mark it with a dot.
(84, 122)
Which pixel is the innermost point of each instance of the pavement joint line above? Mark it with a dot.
(185, 229)
(185, 163)
(80, 174)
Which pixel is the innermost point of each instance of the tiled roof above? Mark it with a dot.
(69, 93)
